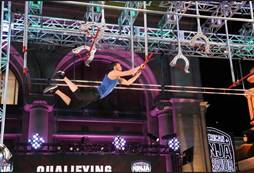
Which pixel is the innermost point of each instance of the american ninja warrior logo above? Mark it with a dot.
(221, 151)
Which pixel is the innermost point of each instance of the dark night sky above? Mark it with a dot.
(226, 112)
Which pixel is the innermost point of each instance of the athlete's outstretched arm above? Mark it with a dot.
(130, 81)
(114, 74)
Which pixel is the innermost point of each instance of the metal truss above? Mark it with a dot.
(168, 21)
(65, 32)
(208, 6)
(35, 7)
(125, 16)
(93, 13)
(82, 148)
(225, 8)
(5, 40)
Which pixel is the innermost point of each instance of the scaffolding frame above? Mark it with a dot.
(5, 39)
(143, 39)
(65, 32)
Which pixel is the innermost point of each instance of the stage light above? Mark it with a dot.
(152, 137)
(245, 138)
(36, 141)
(174, 144)
(133, 13)
(173, 141)
(119, 143)
(248, 136)
(58, 148)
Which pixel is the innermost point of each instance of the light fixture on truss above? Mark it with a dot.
(119, 143)
(36, 141)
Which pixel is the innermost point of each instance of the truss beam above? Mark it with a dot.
(125, 16)
(65, 32)
(206, 6)
(93, 13)
(168, 21)
(226, 9)
(154, 11)
(5, 39)
(35, 7)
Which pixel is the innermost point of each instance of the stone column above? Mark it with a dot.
(39, 113)
(165, 127)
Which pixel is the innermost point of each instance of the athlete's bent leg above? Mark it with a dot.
(64, 97)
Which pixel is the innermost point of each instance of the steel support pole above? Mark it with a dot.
(241, 72)
(6, 73)
(132, 43)
(145, 30)
(103, 14)
(25, 35)
(229, 53)
(1, 38)
(252, 16)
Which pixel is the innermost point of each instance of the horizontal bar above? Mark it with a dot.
(97, 136)
(159, 89)
(78, 119)
(12, 135)
(147, 85)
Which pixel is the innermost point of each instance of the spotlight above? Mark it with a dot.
(174, 144)
(152, 137)
(119, 143)
(71, 148)
(173, 141)
(248, 136)
(77, 148)
(245, 138)
(36, 141)
(58, 148)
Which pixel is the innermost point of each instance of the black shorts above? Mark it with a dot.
(82, 97)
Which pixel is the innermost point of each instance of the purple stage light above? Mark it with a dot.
(36, 141)
(174, 143)
(119, 143)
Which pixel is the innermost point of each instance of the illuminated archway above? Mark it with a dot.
(123, 57)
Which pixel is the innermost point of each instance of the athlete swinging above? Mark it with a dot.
(81, 98)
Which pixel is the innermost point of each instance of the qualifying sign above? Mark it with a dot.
(221, 150)
(88, 163)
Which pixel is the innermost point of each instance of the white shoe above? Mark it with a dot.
(50, 89)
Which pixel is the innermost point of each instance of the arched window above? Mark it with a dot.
(13, 88)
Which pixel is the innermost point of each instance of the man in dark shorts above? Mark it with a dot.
(81, 98)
